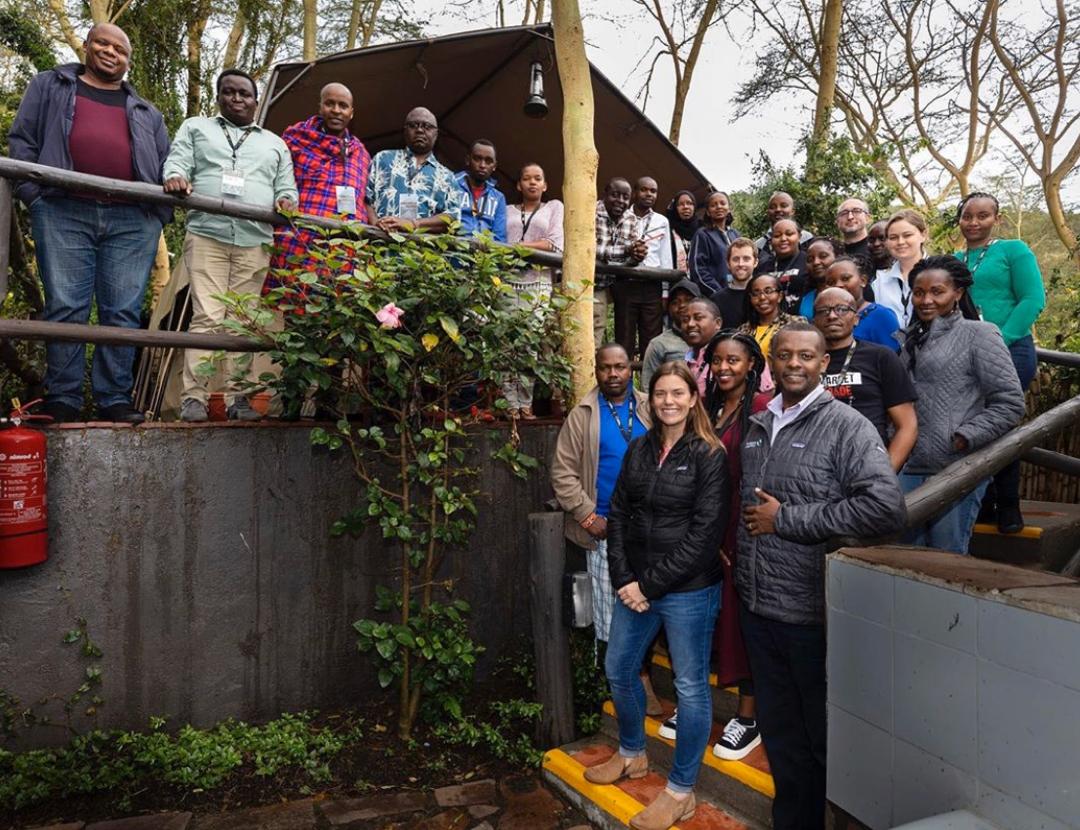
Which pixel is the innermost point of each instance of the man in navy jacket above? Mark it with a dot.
(86, 118)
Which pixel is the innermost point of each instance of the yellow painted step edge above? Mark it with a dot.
(607, 797)
(662, 660)
(1029, 531)
(752, 777)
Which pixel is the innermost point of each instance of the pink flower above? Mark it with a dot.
(390, 316)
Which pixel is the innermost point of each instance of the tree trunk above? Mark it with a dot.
(311, 9)
(579, 192)
(830, 57)
(1052, 192)
(354, 25)
(683, 78)
(195, 29)
(236, 36)
(66, 29)
(159, 272)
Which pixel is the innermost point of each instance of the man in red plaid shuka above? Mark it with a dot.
(331, 167)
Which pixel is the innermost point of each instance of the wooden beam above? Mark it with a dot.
(1056, 461)
(115, 336)
(5, 235)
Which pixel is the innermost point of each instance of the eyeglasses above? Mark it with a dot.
(426, 126)
(764, 292)
(837, 310)
(840, 214)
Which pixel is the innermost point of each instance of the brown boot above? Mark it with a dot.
(664, 812)
(616, 768)
(653, 707)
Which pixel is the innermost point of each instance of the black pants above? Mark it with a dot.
(788, 665)
(639, 314)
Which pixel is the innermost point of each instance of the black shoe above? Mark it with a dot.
(1009, 519)
(988, 513)
(121, 413)
(60, 413)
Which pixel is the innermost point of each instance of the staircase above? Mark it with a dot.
(731, 795)
(1050, 538)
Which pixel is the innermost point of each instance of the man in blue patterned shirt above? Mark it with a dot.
(617, 242)
(408, 190)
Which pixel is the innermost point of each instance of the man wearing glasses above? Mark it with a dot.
(868, 377)
(408, 189)
(852, 220)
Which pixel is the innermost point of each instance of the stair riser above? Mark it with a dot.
(724, 702)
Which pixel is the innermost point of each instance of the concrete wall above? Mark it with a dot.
(201, 559)
(954, 684)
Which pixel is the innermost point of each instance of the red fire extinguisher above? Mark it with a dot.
(24, 514)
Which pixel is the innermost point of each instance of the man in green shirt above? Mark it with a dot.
(232, 158)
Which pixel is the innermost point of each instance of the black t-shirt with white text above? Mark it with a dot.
(732, 305)
(873, 381)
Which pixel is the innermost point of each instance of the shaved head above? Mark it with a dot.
(336, 89)
(422, 114)
(109, 30)
(836, 295)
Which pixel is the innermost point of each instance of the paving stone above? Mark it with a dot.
(291, 815)
(159, 821)
(455, 819)
(482, 810)
(535, 810)
(460, 795)
(71, 825)
(345, 811)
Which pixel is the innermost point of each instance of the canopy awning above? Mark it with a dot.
(476, 83)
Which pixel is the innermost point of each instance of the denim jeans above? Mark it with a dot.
(788, 664)
(89, 251)
(688, 618)
(951, 530)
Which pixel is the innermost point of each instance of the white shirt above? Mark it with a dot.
(892, 291)
(655, 229)
(782, 417)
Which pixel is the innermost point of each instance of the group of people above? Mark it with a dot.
(93, 249)
(782, 407)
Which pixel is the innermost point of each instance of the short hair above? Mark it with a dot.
(713, 308)
(483, 142)
(912, 217)
(615, 179)
(863, 264)
(742, 242)
(521, 170)
(611, 345)
(791, 219)
(797, 327)
(240, 73)
(836, 245)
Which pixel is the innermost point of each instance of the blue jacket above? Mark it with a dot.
(42, 127)
(708, 258)
(490, 213)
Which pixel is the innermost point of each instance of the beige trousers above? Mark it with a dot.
(601, 301)
(215, 268)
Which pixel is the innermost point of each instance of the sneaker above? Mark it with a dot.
(240, 410)
(193, 411)
(667, 728)
(738, 741)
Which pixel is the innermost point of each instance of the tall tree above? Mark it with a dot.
(683, 27)
(580, 161)
(311, 26)
(830, 58)
(1041, 61)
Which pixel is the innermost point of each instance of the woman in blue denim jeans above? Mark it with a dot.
(667, 520)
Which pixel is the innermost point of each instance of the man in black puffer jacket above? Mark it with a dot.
(813, 468)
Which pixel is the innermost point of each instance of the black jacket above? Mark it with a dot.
(666, 524)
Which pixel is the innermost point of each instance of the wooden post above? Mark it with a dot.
(5, 235)
(580, 163)
(551, 636)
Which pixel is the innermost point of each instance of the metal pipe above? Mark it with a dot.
(115, 336)
(961, 477)
(151, 194)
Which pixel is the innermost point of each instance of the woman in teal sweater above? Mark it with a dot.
(1009, 293)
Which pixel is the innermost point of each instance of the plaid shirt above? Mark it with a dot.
(613, 240)
(321, 163)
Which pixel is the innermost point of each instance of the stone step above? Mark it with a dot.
(1048, 541)
(611, 806)
(746, 786)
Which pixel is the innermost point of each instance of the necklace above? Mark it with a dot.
(978, 260)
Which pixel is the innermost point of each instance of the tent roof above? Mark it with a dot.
(476, 83)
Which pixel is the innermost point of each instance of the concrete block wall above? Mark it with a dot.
(953, 683)
(202, 561)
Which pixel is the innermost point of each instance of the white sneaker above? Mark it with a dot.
(667, 728)
(738, 741)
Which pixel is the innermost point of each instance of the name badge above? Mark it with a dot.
(408, 206)
(232, 183)
(346, 200)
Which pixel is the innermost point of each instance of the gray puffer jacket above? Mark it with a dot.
(832, 477)
(967, 386)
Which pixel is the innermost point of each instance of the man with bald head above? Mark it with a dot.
(409, 190)
(86, 118)
(866, 376)
(331, 168)
(617, 242)
(852, 220)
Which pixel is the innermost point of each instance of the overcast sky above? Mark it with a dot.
(617, 34)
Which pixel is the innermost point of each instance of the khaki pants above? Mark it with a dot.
(216, 268)
(601, 301)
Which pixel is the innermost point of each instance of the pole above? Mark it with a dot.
(115, 336)
(5, 235)
(551, 637)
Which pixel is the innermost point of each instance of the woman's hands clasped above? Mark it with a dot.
(631, 596)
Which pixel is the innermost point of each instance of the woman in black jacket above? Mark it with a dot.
(665, 528)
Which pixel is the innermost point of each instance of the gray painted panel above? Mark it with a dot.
(1047, 647)
(935, 613)
(860, 668)
(860, 769)
(926, 786)
(862, 591)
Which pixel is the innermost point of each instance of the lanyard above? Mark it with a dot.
(850, 401)
(979, 259)
(627, 431)
(235, 147)
(526, 222)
